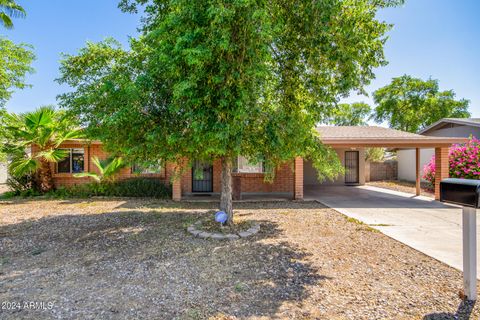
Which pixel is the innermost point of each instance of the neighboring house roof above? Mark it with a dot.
(373, 136)
(474, 122)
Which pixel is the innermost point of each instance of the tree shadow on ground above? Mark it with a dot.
(135, 264)
(464, 311)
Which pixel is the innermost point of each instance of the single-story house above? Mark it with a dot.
(290, 178)
(446, 127)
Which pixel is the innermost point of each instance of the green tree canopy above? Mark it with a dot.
(411, 104)
(354, 114)
(218, 79)
(15, 61)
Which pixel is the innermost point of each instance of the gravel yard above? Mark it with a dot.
(133, 259)
(402, 186)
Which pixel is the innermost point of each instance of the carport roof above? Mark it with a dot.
(374, 136)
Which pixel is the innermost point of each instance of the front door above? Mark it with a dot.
(351, 167)
(202, 176)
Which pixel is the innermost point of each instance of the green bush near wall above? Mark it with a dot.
(134, 187)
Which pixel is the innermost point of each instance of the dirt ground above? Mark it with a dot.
(133, 259)
(403, 186)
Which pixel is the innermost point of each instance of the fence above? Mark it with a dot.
(377, 171)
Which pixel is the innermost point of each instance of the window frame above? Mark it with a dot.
(70, 157)
(161, 170)
(236, 168)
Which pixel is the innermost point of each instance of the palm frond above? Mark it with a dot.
(92, 175)
(6, 21)
(21, 166)
(44, 136)
(72, 134)
(52, 155)
(41, 117)
(8, 10)
(114, 167)
(98, 164)
(12, 9)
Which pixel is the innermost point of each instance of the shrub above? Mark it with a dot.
(21, 185)
(429, 172)
(138, 187)
(135, 187)
(464, 162)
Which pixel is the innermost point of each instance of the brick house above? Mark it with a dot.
(291, 178)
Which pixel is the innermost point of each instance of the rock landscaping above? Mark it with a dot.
(196, 230)
(133, 259)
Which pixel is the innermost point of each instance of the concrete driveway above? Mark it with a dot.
(420, 222)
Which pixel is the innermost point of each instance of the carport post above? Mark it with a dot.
(441, 168)
(417, 171)
(469, 221)
(298, 179)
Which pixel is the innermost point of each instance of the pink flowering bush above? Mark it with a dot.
(429, 171)
(464, 162)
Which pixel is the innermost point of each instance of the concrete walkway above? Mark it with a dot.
(420, 222)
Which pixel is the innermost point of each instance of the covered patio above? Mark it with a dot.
(355, 138)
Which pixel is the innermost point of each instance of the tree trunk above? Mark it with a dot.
(45, 179)
(226, 192)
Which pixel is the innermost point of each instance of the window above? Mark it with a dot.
(73, 163)
(147, 168)
(246, 166)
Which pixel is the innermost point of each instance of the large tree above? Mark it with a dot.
(15, 59)
(15, 64)
(411, 104)
(221, 78)
(354, 114)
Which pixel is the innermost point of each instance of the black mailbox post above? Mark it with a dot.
(465, 192)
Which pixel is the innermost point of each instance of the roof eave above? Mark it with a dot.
(429, 142)
(447, 120)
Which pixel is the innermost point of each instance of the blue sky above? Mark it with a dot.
(437, 38)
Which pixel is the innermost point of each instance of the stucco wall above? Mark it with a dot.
(457, 131)
(310, 174)
(406, 162)
(3, 173)
(406, 158)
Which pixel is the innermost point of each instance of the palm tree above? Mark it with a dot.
(107, 169)
(43, 130)
(8, 10)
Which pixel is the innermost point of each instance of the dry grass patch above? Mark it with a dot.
(100, 259)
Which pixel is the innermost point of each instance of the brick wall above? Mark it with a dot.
(91, 150)
(250, 182)
(441, 168)
(387, 170)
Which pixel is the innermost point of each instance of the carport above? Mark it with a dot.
(350, 143)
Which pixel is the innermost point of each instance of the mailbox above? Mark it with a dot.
(464, 192)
